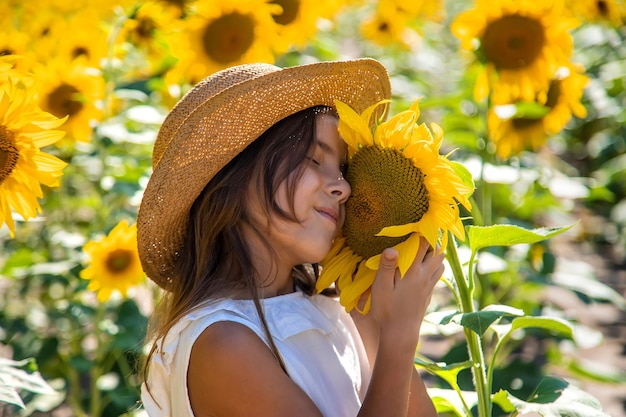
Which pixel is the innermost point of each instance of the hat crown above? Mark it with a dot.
(200, 93)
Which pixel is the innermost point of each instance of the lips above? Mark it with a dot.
(330, 213)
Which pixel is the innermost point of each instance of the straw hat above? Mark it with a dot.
(216, 120)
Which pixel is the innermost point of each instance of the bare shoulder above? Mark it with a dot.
(232, 372)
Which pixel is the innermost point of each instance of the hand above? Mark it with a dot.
(399, 304)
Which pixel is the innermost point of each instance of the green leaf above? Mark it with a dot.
(580, 277)
(448, 401)
(508, 234)
(555, 397)
(553, 324)
(502, 399)
(548, 390)
(479, 321)
(8, 394)
(20, 375)
(596, 371)
(447, 372)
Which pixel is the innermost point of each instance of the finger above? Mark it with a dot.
(439, 273)
(423, 249)
(434, 264)
(385, 276)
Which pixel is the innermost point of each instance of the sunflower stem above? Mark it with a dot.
(95, 403)
(474, 343)
(486, 196)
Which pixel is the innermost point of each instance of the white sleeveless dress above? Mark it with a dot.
(317, 339)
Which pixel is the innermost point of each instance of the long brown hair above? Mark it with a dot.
(215, 259)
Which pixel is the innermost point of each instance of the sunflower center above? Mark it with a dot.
(226, 39)
(290, 11)
(64, 101)
(118, 260)
(383, 26)
(145, 28)
(9, 153)
(387, 190)
(80, 51)
(513, 42)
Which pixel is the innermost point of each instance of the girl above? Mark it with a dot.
(246, 196)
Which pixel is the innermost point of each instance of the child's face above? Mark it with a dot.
(319, 200)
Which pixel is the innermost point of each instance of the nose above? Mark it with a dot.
(339, 187)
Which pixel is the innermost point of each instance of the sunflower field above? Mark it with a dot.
(527, 102)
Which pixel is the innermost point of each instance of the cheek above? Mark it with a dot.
(282, 198)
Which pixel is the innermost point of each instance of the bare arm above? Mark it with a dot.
(420, 404)
(410, 390)
(233, 373)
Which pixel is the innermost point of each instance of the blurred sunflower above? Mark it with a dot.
(432, 10)
(11, 72)
(72, 90)
(402, 189)
(297, 22)
(13, 42)
(612, 12)
(520, 42)
(388, 24)
(91, 46)
(47, 27)
(517, 127)
(216, 35)
(114, 263)
(147, 29)
(24, 129)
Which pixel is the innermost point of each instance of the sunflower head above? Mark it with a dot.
(522, 126)
(74, 91)
(381, 178)
(402, 190)
(114, 263)
(24, 130)
(521, 45)
(219, 35)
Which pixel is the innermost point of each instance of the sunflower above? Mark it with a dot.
(388, 24)
(24, 129)
(297, 22)
(612, 12)
(148, 29)
(521, 43)
(91, 46)
(13, 42)
(114, 263)
(72, 90)
(217, 35)
(402, 189)
(512, 129)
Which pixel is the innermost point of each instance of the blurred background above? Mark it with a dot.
(530, 96)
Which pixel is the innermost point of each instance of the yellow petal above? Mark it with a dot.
(353, 129)
(398, 231)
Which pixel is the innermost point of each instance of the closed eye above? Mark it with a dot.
(314, 161)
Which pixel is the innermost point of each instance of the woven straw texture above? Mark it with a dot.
(216, 120)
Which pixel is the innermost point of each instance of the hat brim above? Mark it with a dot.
(220, 127)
